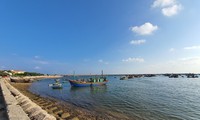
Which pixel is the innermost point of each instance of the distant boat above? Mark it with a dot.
(124, 78)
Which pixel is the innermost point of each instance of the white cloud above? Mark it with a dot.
(41, 62)
(37, 67)
(192, 48)
(172, 10)
(137, 42)
(133, 60)
(145, 29)
(168, 7)
(163, 3)
(36, 57)
(182, 65)
(101, 61)
(171, 50)
(191, 60)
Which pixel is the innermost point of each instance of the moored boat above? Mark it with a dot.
(124, 78)
(89, 82)
(56, 85)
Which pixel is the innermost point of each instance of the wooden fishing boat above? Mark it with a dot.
(56, 86)
(88, 82)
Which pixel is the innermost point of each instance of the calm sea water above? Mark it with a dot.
(152, 98)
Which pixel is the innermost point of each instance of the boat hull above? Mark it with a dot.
(57, 87)
(75, 83)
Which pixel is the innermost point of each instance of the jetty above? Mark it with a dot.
(14, 105)
(17, 106)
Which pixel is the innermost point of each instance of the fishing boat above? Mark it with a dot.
(127, 77)
(89, 82)
(56, 85)
(124, 78)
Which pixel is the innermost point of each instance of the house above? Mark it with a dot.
(17, 71)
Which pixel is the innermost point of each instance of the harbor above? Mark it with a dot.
(29, 105)
(130, 99)
(113, 100)
(100, 60)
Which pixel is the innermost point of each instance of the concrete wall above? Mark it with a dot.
(20, 107)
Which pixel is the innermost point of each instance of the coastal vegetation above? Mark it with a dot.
(18, 74)
(2, 73)
(27, 74)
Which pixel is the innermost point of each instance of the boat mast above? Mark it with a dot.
(74, 75)
(102, 73)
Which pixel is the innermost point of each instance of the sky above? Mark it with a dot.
(87, 36)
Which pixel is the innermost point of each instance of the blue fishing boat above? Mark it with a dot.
(87, 83)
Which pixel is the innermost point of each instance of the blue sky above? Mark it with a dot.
(87, 36)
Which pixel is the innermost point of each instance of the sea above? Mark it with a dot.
(147, 98)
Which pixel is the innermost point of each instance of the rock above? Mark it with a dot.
(75, 118)
(32, 105)
(57, 111)
(25, 102)
(32, 110)
(49, 117)
(29, 105)
(39, 116)
(65, 115)
(15, 92)
(52, 108)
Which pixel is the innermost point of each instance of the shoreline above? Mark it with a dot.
(58, 107)
(49, 105)
(30, 79)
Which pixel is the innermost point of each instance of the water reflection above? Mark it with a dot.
(92, 89)
(99, 89)
(152, 98)
(79, 89)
